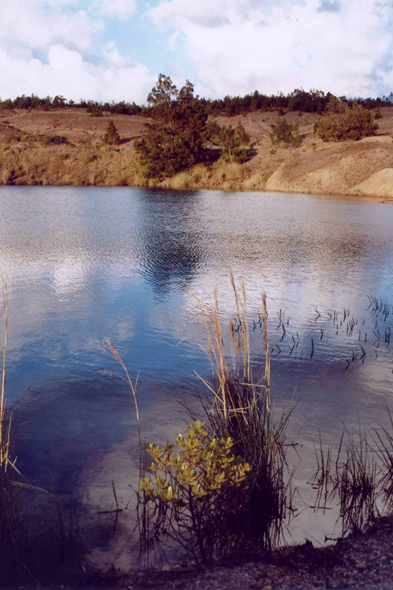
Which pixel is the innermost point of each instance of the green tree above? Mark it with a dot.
(231, 140)
(343, 121)
(287, 133)
(174, 140)
(112, 136)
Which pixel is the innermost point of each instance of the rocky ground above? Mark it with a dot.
(362, 561)
(362, 168)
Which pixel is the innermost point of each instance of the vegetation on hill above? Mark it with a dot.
(286, 133)
(174, 140)
(345, 122)
(179, 147)
(112, 136)
(231, 141)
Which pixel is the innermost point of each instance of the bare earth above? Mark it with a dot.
(362, 168)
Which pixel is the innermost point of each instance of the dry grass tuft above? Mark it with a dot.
(240, 407)
(238, 412)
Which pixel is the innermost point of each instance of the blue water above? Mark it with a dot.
(86, 264)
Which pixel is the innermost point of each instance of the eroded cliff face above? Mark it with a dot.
(350, 168)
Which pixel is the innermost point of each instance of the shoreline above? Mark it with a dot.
(67, 149)
(359, 561)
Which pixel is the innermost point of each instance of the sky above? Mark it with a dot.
(108, 50)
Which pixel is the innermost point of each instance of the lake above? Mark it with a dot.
(86, 264)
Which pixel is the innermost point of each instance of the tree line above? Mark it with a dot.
(313, 101)
(33, 102)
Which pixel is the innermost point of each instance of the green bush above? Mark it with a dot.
(286, 133)
(112, 136)
(345, 122)
(197, 492)
(232, 141)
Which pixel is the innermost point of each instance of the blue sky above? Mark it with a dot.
(115, 49)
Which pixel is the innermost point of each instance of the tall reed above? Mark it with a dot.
(191, 494)
(239, 406)
(9, 491)
(354, 479)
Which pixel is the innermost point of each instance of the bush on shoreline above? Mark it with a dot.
(236, 462)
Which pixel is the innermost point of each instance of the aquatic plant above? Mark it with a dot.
(10, 500)
(236, 426)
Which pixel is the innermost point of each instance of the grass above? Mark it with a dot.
(10, 496)
(87, 164)
(240, 407)
(237, 411)
(360, 479)
(358, 476)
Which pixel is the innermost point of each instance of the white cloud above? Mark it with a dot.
(173, 40)
(50, 47)
(237, 47)
(72, 76)
(32, 25)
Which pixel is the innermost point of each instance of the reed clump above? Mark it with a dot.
(236, 416)
(360, 479)
(10, 499)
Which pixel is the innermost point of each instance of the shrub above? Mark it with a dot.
(199, 493)
(232, 143)
(54, 140)
(345, 122)
(95, 111)
(112, 136)
(286, 133)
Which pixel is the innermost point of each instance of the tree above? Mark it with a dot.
(231, 143)
(287, 133)
(112, 136)
(174, 140)
(231, 140)
(343, 121)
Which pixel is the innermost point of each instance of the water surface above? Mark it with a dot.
(86, 264)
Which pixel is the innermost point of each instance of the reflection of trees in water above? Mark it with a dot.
(169, 249)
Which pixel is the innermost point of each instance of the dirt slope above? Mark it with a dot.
(348, 168)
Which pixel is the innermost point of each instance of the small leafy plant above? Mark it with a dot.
(196, 493)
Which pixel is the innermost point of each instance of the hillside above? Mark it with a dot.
(65, 147)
